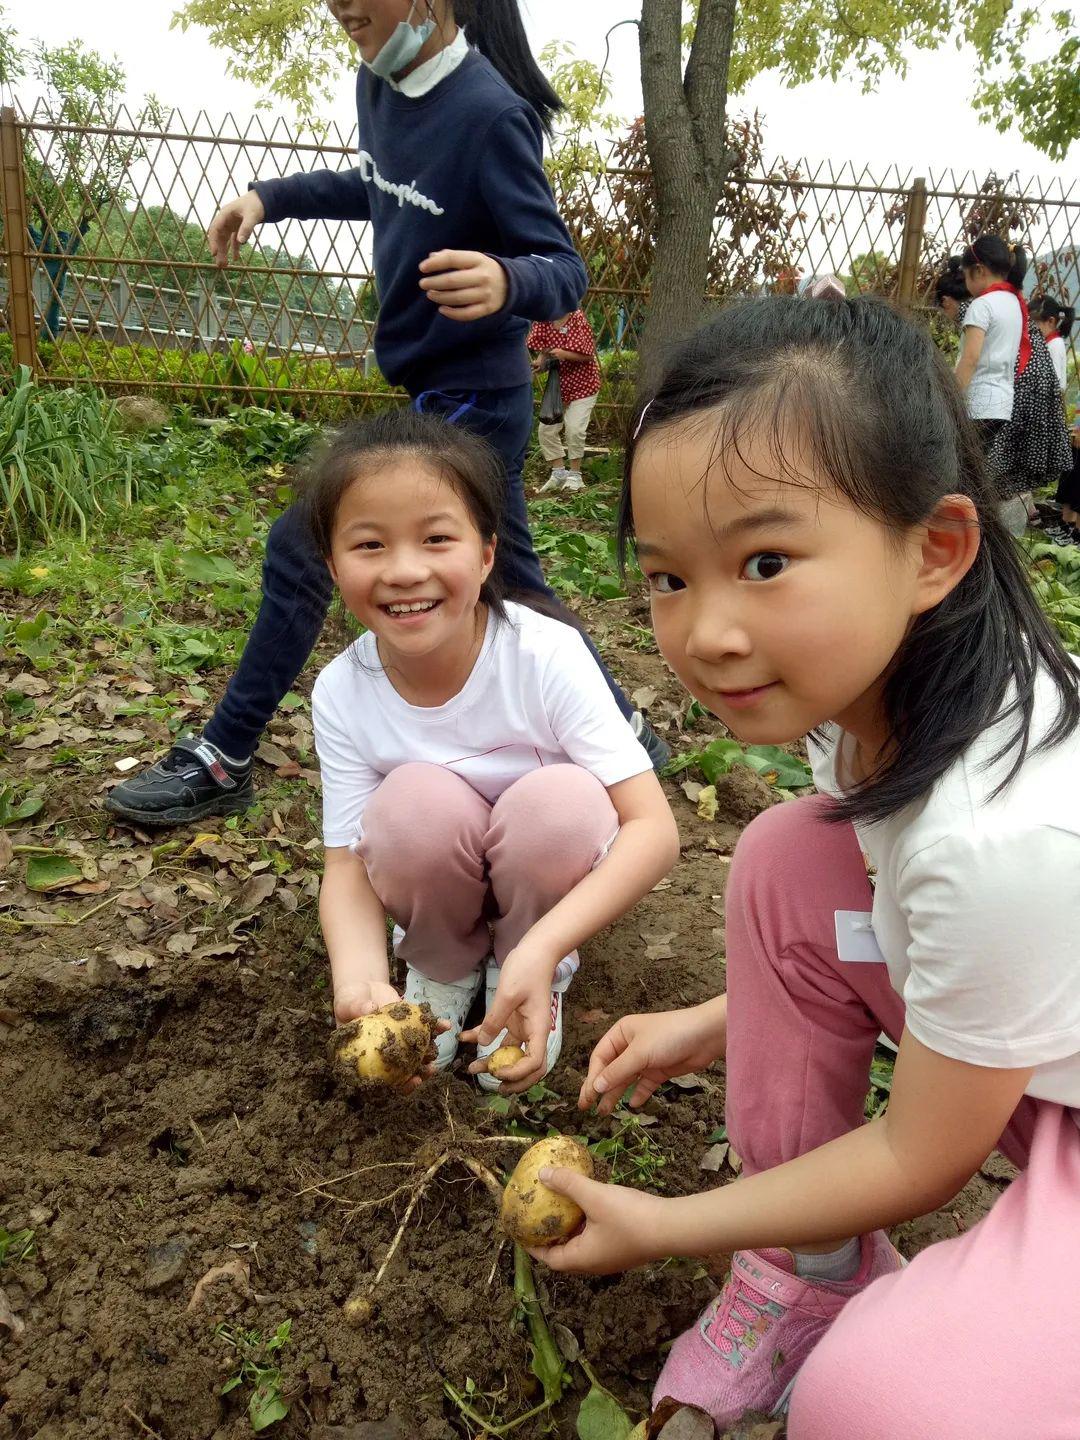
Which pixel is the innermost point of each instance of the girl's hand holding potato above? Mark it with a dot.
(363, 997)
(521, 1006)
(646, 1050)
(619, 1225)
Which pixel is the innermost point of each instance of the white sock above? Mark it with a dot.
(842, 1264)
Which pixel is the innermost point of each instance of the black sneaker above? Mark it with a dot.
(193, 780)
(656, 749)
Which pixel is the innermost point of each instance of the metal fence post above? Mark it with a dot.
(20, 305)
(912, 242)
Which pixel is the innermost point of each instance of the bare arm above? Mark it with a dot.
(645, 849)
(944, 1118)
(354, 929)
(970, 351)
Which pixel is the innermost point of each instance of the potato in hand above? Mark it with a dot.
(532, 1214)
(388, 1047)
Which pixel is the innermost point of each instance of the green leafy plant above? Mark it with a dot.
(258, 1368)
(774, 764)
(633, 1155)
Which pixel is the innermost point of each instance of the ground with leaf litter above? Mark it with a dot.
(187, 1200)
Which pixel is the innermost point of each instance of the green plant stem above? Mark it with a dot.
(549, 1364)
(485, 1425)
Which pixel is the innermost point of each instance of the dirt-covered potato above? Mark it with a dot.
(503, 1059)
(388, 1047)
(532, 1214)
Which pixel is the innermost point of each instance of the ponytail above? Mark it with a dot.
(1059, 315)
(496, 29)
(1007, 262)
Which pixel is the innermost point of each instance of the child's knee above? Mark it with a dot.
(418, 811)
(783, 840)
(558, 817)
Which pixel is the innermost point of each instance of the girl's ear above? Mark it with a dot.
(487, 558)
(332, 568)
(948, 547)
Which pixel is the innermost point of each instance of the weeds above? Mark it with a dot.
(259, 1369)
(633, 1155)
(63, 462)
(15, 1245)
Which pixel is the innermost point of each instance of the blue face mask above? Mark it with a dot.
(401, 48)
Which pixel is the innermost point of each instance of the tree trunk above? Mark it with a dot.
(684, 136)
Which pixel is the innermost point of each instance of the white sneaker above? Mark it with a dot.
(563, 975)
(573, 480)
(555, 480)
(449, 1000)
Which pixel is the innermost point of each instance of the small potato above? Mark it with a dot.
(504, 1058)
(532, 1214)
(388, 1047)
(357, 1311)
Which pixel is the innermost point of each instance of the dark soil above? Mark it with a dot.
(162, 1121)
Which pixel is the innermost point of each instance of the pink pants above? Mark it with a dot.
(445, 863)
(979, 1337)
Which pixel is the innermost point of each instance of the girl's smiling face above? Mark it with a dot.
(409, 562)
(778, 604)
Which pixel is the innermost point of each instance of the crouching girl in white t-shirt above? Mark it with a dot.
(824, 557)
(479, 783)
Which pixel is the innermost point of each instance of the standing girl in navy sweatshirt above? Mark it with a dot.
(468, 249)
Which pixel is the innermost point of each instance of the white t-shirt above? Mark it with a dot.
(990, 392)
(977, 905)
(535, 697)
(1056, 346)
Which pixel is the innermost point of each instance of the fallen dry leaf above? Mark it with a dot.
(91, 887)
(706, 803)
(216, 948)
(645, 696)
(201, 890)
(28, 684)
(5, 850)
(715, 1156)
(131, 958)
(49, 734)
(289, 771)
(128, 763)
(658, 944)
(692, 789)
(255, 891)
(271, 754)
(237, 1272)
(182, 943)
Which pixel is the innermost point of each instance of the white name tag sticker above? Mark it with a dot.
(855, 940)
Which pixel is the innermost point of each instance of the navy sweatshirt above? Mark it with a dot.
(458, 168)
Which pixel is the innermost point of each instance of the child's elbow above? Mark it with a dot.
(671, 846)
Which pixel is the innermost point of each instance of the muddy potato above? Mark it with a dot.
(532, 1214)
(388, 1047)
(503, 1058)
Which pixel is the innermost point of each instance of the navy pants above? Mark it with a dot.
(297, 588)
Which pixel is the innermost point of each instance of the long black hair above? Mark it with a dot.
(883, 420)
(1007, 262)
(468, 464)
(1060, 315)
(496, 29)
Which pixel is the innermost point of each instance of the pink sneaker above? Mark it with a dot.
(749, 1344)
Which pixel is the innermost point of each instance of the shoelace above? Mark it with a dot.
(746, 1306)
